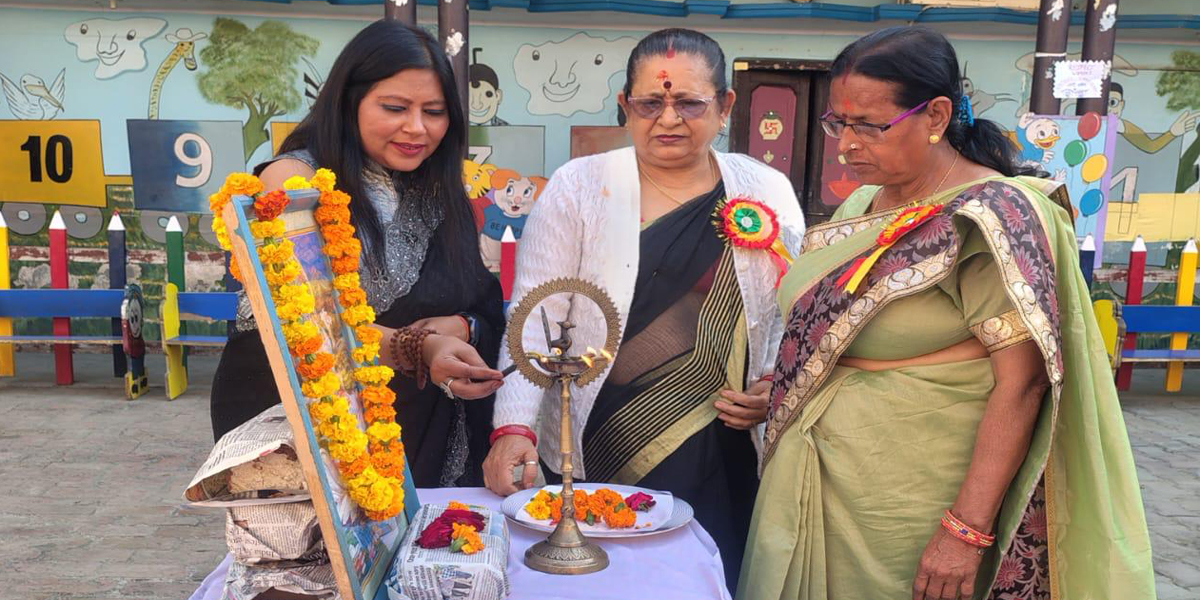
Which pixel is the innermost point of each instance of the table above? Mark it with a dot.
(681, 564)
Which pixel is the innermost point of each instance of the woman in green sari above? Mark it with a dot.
(943, 420)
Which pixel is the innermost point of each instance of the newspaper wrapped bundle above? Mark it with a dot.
(433, 574)
(271, 526)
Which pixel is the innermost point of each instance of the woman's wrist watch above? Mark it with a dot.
(472, 327)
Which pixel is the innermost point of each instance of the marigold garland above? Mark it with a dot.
(371, 463)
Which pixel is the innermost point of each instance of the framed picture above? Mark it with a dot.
(360, 549)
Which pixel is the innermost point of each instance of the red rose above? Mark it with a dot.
(437, 534)
(640, 501)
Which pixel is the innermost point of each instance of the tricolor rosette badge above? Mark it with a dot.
(747, 223)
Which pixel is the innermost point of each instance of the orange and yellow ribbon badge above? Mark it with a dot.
(751, 224)
(904, 222)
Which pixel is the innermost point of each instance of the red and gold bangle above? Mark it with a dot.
(504, 430)
(965, 532)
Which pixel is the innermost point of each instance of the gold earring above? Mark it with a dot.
(935, 138)
(842, 158)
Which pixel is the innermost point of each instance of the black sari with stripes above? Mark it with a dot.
(675, 355)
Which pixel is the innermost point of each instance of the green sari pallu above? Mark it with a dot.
(859, 465)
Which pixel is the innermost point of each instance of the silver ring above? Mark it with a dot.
(445, 385)
(531, 462)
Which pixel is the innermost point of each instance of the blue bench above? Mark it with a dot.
(1116, 320)
(61, 304)
(179, 306)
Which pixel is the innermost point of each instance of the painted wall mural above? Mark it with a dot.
(572, 75)
(116, 45)
(144, 112)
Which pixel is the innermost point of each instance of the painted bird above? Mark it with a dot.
(31, 100)
(982, 101)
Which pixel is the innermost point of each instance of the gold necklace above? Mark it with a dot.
(643, 173)
(937, 189)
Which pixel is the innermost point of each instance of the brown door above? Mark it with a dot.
(775, 121)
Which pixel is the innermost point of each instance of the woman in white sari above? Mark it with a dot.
(677, 409)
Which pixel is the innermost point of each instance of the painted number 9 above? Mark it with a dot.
(201, 158)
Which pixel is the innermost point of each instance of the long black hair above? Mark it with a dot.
(330, 132)
(923, 65)
(665, 42)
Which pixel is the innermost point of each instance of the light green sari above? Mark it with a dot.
(859, 465)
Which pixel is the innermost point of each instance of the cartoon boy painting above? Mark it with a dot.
(485, 94)
(513, 196)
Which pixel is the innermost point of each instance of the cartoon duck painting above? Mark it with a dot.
(31, 100)
(1037, 137)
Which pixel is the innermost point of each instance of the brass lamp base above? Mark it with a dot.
(566, 552)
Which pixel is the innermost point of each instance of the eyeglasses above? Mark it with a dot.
(651, 107)
(867, 132)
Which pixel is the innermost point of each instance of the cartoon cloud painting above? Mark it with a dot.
(570, 76)
(116, 45)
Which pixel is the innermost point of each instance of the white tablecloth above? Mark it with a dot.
(681, 564)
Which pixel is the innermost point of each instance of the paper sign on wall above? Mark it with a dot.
(1080, 78)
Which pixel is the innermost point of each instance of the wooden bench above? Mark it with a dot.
(180, 306)
(1116, 320)
(62, 305)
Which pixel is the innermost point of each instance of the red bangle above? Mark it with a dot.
(965, 532)
(768, 377)
(467, 326)
(504, 430)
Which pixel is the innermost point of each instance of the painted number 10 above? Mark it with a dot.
(200, 157)
(59, 160)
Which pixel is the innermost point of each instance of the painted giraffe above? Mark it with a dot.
(185, 49)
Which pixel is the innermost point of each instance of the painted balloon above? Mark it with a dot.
(1075, 152)
(1090, 203)
(1094, 168)
(1089, 125)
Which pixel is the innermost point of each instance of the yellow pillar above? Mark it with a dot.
(1185, 288)
(7, 362)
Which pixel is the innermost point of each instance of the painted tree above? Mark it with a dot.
(256, 70)
(1181, 86)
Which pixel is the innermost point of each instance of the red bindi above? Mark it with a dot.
(667, 84)
(671, 50)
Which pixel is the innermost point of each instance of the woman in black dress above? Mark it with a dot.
(389, 124)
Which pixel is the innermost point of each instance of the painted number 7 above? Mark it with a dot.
(201, 157)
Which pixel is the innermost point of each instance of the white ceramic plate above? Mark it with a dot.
(681, 512)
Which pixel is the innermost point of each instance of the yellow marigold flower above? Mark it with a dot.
(357, 315)
(374, 375)
(346, 452)
(327, 385)
(282, 274)
(320, 412)
(538, 509)
(383, 432)
(242, 183)
(348, 281)
(268, 229)
(324, 180)
(368, 335)
(396, 507)
(298, 331)
(276, 253)
(218, 201)
(296, 182)
(367, 353)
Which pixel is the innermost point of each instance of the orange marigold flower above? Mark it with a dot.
(308, 346)
(242, 183)
(388, 464)
(329, 214)
(335, 198)
(379, 412)
(315, 365)
(368, 335)
(457, 506)
(352, 297)
(620, 517)
(337, 232)
(269, 206)
(355, 468)
(345, 264)
(378, 395)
